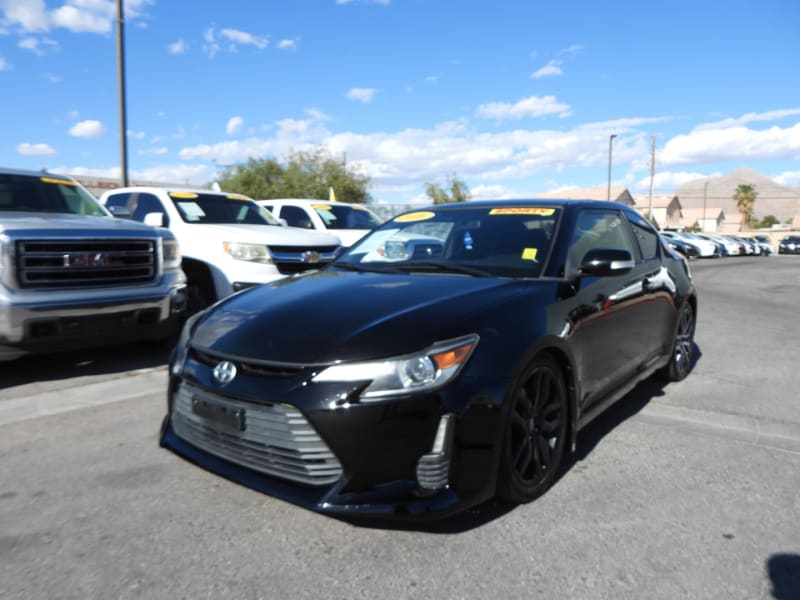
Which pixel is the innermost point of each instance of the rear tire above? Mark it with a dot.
(682, 347)
(535, 433)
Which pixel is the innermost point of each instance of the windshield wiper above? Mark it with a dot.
(443, 267)
(361, 268)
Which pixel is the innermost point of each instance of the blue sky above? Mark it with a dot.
(514, 97)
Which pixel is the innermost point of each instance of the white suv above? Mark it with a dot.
(228, 241)
(349, 222)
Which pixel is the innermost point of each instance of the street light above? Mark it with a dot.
(705, 200)
(610, 139)
(123, 122)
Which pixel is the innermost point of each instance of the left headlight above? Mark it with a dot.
(421, 371)
(182, 347)
(172, 255)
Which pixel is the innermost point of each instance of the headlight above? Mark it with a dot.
(172, 255)
(422, 371)
(249, 252)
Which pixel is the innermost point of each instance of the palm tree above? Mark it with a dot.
(745, 196)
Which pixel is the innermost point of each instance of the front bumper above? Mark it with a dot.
(380, 456)
(36, 322)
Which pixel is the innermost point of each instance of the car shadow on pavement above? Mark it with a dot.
(784, 575)
(93, 361)
(588, 438)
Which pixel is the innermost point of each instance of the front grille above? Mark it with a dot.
(260, 369)
(85, 263)
(274, 439)
(297, 259)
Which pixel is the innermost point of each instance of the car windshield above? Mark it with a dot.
(342, 216)
(502, 241)
(197, 207)
(31, 193)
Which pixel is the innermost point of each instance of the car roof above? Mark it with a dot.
(31, 173)
(310, 202)
(548, 202)
(168, 190)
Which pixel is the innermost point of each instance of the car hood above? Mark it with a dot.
(62, 224)
(272, 235)
(331, 315)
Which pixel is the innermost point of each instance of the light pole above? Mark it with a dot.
(610, 139)
(705, 200)
(123, 124)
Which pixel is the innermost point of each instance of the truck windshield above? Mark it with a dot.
(220, 208)
(32, 193)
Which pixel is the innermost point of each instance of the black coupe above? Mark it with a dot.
(450, 356)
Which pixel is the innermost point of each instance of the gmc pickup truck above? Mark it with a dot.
(72, 275)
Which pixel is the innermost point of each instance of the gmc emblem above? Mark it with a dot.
(83, 260)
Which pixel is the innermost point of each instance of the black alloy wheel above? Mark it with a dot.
(536, 432)
(683, 347)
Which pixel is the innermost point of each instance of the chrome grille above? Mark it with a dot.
(297, 259)
(85, 263)
(275, 439)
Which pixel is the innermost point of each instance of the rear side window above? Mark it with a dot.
(596, 229)
(645, 236)
(296, 217)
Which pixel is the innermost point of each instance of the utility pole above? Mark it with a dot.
(610, 139)
(652, 174)
(123, 122)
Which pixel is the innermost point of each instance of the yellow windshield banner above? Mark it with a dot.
(422, 215)
(545, 212)
(58, 181)
(183, 194)
(322, 207)
(236, 197)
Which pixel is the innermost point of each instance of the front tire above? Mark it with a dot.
(536, 432)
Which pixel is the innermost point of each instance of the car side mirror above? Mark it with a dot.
(606, 262)
(155, 219)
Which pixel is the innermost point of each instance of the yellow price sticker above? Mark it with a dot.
(58, 181)
(236, 197)
(423, 215)
(183, 194)
(322, 207)
(529, 253)
(546, 212)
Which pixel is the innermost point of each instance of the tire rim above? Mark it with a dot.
(537, 427)
(684, 341)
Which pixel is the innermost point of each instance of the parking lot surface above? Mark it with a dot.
(687, 490)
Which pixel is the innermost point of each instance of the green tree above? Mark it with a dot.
(305, 174)
(767, 222)
(745, 196)
(457, 191)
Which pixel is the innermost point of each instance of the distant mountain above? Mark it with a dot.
(773, 199)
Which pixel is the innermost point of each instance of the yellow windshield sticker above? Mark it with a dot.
(415, 216)
(545, 212)
(59, 181)
(358, 207)
(322, 207)
(529, 253)
(236, 197)
(183, 195)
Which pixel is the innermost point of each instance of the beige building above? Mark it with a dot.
(709, 220)
(618, 194)
(667, 210)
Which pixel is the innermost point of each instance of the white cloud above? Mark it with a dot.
(706, 145)
(234, 125)
(772, 115)
(180, 173)
(549, 70)
(789, 179)
(365, 95)
(534, 106)
(36, 150)
(73, 115)
(160, 151)
(242, 37)
(40, 47)
(287, 45)
(87, 129)
(178, 47)
(210, 45)
(4, 64)
(30, 15)
(497, 192)
(137, 135)
(571, 50)
(52, 77)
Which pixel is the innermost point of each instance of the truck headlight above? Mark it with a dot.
(421, 371)
(248, 252)
(172, 255)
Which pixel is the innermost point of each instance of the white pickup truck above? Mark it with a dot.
(71, 275)
(228, 242)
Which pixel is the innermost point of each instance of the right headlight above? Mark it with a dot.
(172, 255)
(421, 371)
(249, 252)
